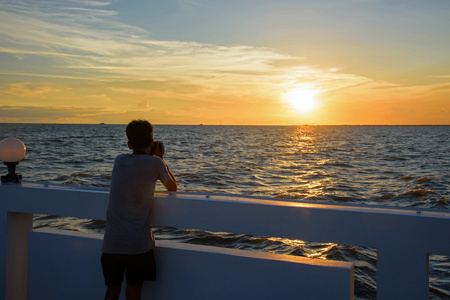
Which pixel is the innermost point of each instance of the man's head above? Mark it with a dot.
(140, 134)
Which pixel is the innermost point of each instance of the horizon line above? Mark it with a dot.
(201, 124)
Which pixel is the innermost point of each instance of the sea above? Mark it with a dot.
(406, 166)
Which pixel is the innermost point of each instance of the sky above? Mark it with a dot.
(233, 62)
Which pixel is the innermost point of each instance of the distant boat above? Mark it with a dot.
(102, 124)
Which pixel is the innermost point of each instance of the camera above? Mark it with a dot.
(158, 149)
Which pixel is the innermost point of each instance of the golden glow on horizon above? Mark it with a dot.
(302, 100)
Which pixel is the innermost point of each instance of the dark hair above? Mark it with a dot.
(139, 134)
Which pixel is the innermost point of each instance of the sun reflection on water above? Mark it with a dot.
(307, 249)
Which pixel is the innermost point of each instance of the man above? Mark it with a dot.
(128, 243)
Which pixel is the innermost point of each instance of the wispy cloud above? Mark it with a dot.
(49, 113)
(29, 90)
(88, 40)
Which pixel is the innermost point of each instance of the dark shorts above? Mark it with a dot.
(137, 267)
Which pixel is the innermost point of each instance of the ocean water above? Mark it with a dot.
(406, 166)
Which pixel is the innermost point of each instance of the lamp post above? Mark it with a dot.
(12, 151)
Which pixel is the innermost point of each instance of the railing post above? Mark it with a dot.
(402, 274)
(18, 225)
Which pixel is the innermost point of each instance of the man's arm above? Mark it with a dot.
(158, 150)
(171, 184)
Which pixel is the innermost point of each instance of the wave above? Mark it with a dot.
(424, 179)
(419, 192)
(339, 164)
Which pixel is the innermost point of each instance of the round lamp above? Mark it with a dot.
(12, 151)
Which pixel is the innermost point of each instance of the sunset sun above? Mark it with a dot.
(301, 100)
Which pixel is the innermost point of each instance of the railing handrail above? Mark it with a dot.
(213, 195)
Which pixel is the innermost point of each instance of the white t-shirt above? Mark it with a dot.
(133, 184)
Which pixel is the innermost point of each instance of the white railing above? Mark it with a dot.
(402, 237)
